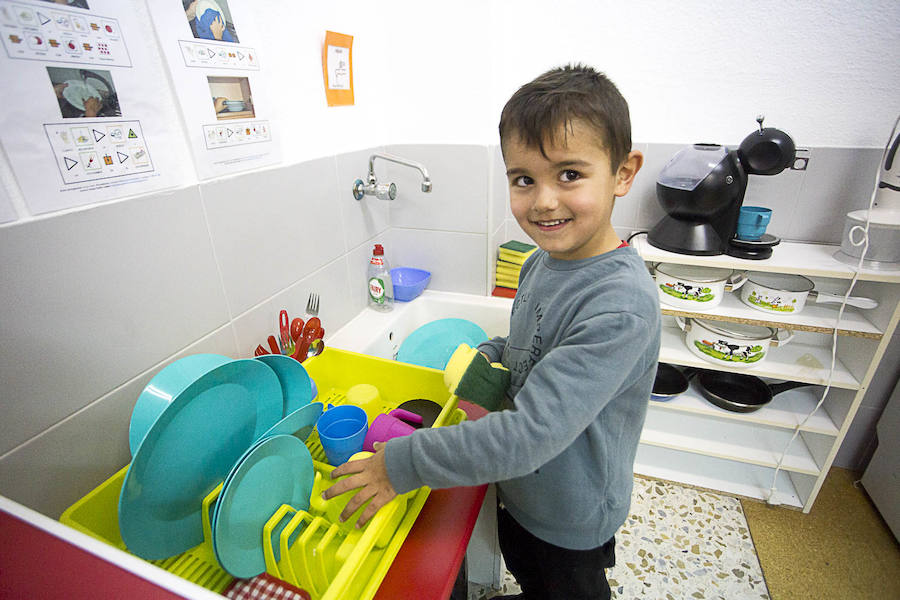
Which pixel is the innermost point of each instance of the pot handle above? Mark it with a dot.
(777, 341)
(684, 323)
(736, 281)
(857, 301)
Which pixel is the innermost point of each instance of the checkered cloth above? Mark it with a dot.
(264, 587)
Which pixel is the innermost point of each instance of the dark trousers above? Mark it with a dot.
(546, 572)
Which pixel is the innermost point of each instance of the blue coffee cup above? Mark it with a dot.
(342, 430)
(752, 222)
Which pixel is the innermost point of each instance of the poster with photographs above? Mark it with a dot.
(211, 50)
(82, 119)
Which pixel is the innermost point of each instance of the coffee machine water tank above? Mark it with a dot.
(700, 188)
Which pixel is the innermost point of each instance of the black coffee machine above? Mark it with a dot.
(702, 188)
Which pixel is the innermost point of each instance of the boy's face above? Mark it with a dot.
(564, 201)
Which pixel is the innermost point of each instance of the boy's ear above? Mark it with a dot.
(627, 170)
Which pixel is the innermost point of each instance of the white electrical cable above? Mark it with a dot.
(864, 242)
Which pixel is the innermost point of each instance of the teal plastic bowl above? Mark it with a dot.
(409, 282)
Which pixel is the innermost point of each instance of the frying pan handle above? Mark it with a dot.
(857, 301)
(777, 388)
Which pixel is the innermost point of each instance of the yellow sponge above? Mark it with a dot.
(515, 252)
(471, 377)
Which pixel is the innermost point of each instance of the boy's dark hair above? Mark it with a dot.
(546, 106)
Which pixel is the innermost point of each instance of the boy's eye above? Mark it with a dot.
(569, 175)
(522, 181)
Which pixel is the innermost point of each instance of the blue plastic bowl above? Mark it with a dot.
(409, 282)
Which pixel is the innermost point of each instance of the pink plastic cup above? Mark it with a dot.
(389, 426)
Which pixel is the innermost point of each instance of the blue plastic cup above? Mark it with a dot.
(342, 430)
(752, 222)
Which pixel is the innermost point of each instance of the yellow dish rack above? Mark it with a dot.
(310, 549)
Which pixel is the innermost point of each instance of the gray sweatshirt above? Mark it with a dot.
(583, 348)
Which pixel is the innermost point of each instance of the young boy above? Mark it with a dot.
(582, 350)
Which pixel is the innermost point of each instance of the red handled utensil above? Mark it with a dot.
(310, 334)
(311, 325)
(260, 351)
(296, 328)
(273, 345)
(284, 327)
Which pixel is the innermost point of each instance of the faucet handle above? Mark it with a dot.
(359, 189)
(386, 191)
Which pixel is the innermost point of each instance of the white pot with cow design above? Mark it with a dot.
(694, 288)
(734, 344)
(788, 294)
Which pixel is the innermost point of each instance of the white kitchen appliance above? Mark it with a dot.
(883, 217)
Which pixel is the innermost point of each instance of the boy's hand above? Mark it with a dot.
(370, 477)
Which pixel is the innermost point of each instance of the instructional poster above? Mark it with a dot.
(337, 64)
(80, 122)
(220, 81)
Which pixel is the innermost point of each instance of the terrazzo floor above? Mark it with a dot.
(679, 542)
(842, 549)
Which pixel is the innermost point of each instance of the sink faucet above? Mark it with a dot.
(386, 191)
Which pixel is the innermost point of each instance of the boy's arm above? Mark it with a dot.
(493, 348)
(562, 395)
(548, 416)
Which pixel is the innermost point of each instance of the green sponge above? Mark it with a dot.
(470, 376)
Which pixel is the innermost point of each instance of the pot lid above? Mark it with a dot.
(781, 282)
(743, 331)
(694, 273)
(882, 217)
(691, 165)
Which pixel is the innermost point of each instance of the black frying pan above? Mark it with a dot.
(669, 383)
(739, 393)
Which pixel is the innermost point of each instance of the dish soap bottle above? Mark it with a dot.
(381, 289)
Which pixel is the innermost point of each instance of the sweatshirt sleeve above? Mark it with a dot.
(562, 394)
(493, 348)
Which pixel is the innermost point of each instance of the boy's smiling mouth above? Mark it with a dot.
(551, 224)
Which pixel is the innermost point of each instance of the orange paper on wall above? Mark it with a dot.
(337, 67)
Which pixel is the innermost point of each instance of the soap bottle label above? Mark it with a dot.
(376, 290)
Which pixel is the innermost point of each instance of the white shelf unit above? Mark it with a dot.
(690, 440)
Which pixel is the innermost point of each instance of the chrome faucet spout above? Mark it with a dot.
(426, 180)
(386, 191)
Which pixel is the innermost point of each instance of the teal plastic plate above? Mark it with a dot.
(278, 470)
(432, 344)
(190, 449)
(299, 423)
(163, 388)
(295, 382)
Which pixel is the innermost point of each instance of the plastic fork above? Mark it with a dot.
(312, 304)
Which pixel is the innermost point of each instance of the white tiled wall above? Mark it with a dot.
(93, 298)
(93, 303)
